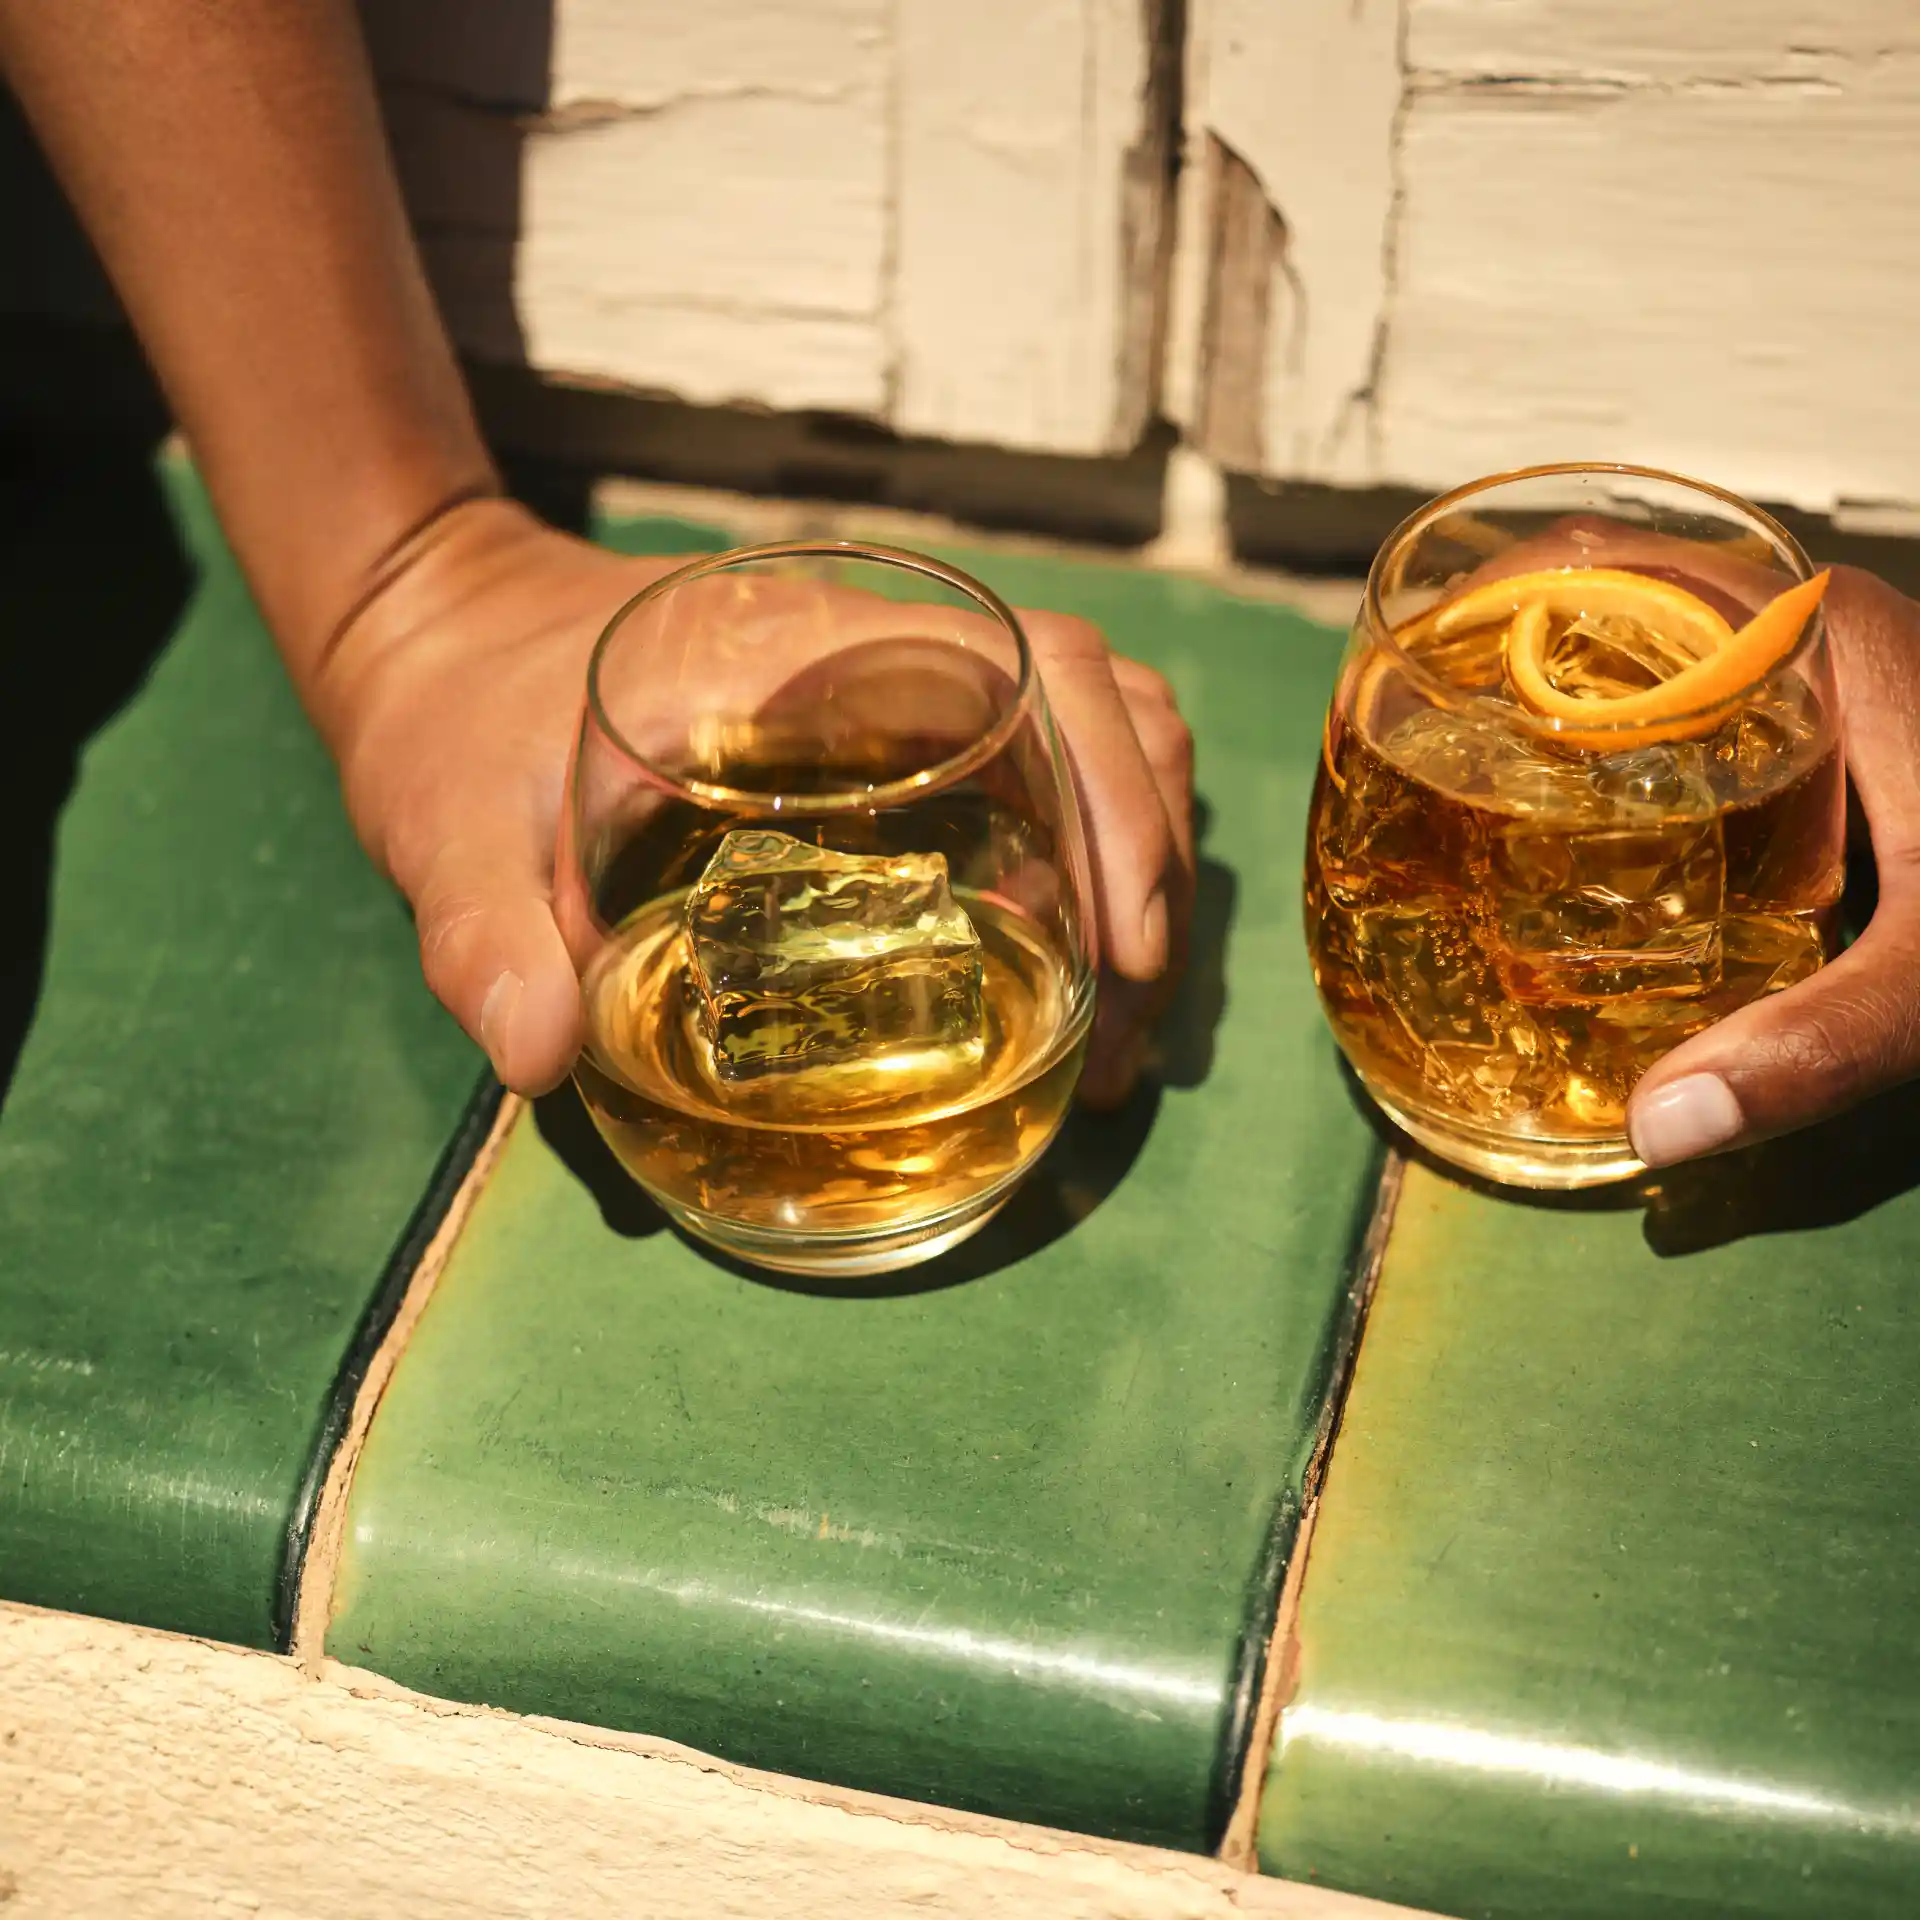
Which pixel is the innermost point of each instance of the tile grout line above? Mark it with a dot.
(476, 1123)
(313, 1608)
(1280, 1671)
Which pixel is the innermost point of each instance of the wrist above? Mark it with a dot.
(313, 554)
(391, 604)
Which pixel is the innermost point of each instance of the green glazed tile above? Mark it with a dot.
(232, 1097)
(1005, 1543)
(1611, 1604)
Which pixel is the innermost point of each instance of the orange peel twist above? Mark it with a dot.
(1690, 703)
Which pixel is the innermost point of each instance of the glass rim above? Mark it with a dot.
(915, 785)
(1547, 726)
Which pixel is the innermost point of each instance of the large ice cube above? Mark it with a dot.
(1586, 916)
(1428, 971)
(1776, 735)
(806, 960)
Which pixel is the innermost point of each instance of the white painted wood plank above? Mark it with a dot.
(651, 53)
(1014, 119)
(726, 247)
(698, 203)
(145, 1774)
(761, 203)
(1720, 280)
(711, 356)
(1305, 92)
(1682, 235)
(1763, 41)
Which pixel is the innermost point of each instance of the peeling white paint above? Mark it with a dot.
(1541, 229)
(1508, 230)
(1718, 280)
(1307, 94)
(142, 1773)
(1008, 301)
(1655, 42)
(714, 223)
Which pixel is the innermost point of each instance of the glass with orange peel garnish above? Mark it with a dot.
(1582, 795)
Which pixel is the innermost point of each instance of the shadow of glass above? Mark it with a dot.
(568, 1129)
(1078, 1174)
(92, 565)
(1823, 1177)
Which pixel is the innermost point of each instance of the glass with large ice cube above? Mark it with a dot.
(1512, 915)
(824, 881)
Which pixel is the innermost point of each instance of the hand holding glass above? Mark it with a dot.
(825, 883)
(1582, 795)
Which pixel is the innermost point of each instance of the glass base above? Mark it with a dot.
(846, 1256)
(1518, 1160)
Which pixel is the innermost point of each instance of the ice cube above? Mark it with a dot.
(1602, 656)
(1776, 734)
(1484, 754)
(1760, 953)
(1587, 916)
(1662, 781)
(1767, 952)
(1428, 971)
(1383, 835)
(809, 961)
(1543, 787)
(1451, 751)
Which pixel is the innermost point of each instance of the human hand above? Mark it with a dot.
(1853, 1028)
(452, 702)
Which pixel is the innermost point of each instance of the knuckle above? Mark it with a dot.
(1165, 739)
(1807, 1049)
(1848, 1047)
(1149, 682)
(1067, 640)
(1170, 737)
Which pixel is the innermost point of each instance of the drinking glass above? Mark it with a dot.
(824, 880)
(1538, 856)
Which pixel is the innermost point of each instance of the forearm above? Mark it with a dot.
(227, 159)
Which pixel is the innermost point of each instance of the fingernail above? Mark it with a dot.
(1153, 929)
(1692, 1116)
(496, 1011)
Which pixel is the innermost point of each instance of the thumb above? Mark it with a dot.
(492, 954)
(1813, 1050)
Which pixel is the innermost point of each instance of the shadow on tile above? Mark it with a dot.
(1183, 1045)
(96, 582)
(1823, 1177)
(565, 1126)
(1081, 1170)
